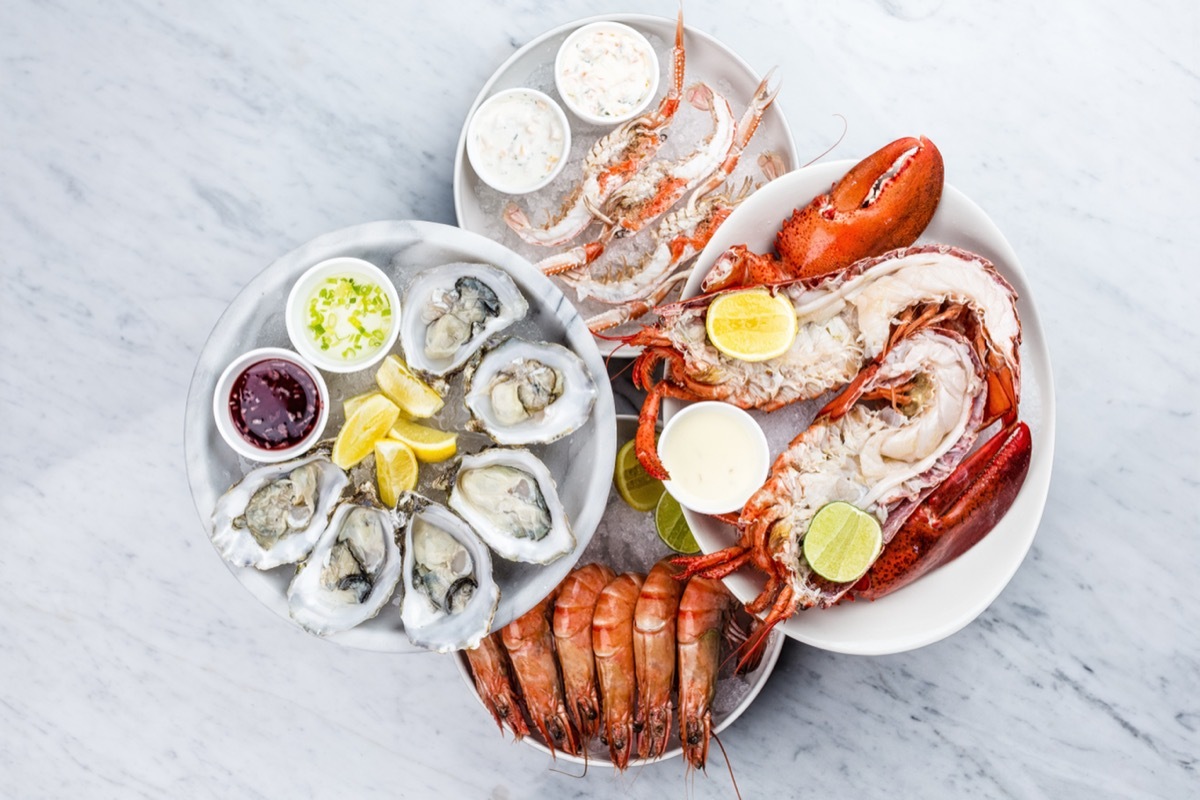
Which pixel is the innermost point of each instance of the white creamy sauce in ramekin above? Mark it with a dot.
(518, 141)
(606, 72)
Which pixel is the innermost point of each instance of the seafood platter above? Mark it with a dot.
(401, 436)
(629, 205)
(623, 554)
(506, 409)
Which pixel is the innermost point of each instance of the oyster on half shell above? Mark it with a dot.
(352, 570)
(276, 513)
(450, 311)
(509, 498)
(530, 392)
(450, 594)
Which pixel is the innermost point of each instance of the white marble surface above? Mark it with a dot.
(155, 156)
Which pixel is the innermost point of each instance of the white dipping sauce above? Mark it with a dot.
(518, 140)
(717, 457)
(606, 71)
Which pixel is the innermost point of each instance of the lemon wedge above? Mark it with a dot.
(351, 403)
(751, 325)
(395, 470)
(842, 542)
(413, 396)
(369, 423)
(429, 444)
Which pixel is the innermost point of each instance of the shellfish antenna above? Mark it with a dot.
(830, 149)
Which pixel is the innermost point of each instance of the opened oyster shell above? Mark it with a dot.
(276, 513)
(509, 498)
(353, 568)
(530, 392)
(450, 594)
(449, 311)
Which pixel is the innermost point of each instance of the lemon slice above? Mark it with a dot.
(842, 542)
(414, 397)
(369, 423)
(634, 484)
(351, 403)
(672, 528)
(429, 444)
(751, 325)
(395, 470)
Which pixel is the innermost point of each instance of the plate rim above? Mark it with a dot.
(1036, 358)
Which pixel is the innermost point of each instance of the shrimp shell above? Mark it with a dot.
(530, 645)
(573, 612)
(654, 656)
(612, 640)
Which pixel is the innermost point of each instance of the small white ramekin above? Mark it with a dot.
(296, 315)
(642, 42)
(229, 431)
(755, 440)
(480, 166)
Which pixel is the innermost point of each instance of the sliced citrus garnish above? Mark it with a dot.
(414, 397)
(429, 444)
(842, 542)
(395, 470)
(351, 403)
(634, 484)
(369, 423)
(751, 325)
(672, 527)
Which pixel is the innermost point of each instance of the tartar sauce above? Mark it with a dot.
(518, 140)
(716, 455)
(606, 71)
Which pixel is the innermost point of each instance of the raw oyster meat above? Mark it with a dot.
(509, 498)
(353, 568)
(449, 311)
(276, 513)
(450, 594)
(530, 392)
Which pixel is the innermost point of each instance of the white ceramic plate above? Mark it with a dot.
(945, 600)
(478, 206)
(626, 541)
(581, 463)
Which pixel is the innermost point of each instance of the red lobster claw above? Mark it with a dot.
(885, 201)
(955, 516)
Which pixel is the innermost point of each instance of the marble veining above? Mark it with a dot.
(155, 157)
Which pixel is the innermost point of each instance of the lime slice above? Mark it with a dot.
(429, 444)
(395, 470)
(369, 423)
(634, 484)
(751, 325)
(414, 397)
(842, 542)
(672, 527)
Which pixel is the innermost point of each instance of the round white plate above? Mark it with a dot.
(581, 463)
(948, 598)
(625, 540)
(478, 206)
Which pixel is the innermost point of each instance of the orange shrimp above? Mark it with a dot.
(612, 640)
(704, 610)
(573, 612)
(654, 656)
(530, 645)
(494, 682)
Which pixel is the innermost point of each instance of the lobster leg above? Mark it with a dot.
(956, 515)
